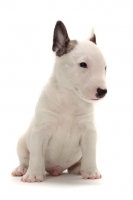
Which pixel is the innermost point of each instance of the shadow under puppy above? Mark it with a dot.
(62, 133)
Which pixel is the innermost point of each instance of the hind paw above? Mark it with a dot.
(20, 170)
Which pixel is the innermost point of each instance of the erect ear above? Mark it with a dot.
(93, 36)
(60, 39)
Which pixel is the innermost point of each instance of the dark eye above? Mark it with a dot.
(105, 68)
(83, 64)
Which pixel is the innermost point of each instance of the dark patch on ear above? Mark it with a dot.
(61, 42)
(93, 39)
(67, 48)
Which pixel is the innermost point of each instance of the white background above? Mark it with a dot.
(26, 61)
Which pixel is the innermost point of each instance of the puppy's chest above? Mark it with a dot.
(67, 124)
(68, 132)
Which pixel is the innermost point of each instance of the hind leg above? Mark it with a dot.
(23, 155)
(75, 169)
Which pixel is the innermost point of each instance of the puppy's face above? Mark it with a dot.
(81, 66)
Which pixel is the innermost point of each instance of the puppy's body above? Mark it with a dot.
(62, 134)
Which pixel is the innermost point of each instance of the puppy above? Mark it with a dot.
(62, 134)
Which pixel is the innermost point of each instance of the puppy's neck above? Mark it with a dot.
(64, 100)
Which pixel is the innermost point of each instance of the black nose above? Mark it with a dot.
(101, 93)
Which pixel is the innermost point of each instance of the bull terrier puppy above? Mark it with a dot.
(62, 134)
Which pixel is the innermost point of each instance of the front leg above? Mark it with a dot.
(38, 143)
(88, 163)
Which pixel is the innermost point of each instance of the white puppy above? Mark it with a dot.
(62, 133)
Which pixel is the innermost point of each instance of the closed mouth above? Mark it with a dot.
(94, 99)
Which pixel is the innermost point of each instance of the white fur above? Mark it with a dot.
(62, 132)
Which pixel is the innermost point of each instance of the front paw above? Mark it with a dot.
(91, 173)
(32, 177)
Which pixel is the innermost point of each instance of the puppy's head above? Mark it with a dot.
(80, 66)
